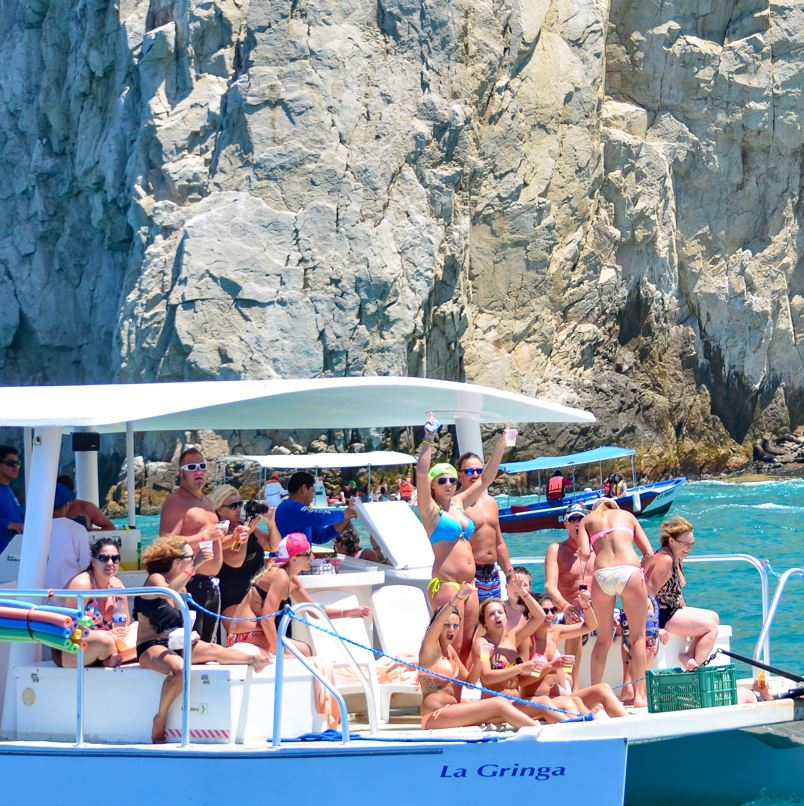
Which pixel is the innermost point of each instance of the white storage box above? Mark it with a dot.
(227, 704)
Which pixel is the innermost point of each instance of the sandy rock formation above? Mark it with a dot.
(597, 202)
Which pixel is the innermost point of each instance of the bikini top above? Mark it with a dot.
(604, 532)
(446, 666)
(92, 608)
(449, 528)
(159, 612)
(669, 595)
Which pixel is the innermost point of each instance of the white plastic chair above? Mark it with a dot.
(329, 648)
(401, 617)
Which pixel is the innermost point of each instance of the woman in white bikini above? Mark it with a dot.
(612, 533)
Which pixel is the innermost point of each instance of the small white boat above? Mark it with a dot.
(86, 733)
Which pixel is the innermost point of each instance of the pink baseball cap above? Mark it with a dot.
(292, 545)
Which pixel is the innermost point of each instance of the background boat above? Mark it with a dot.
(654, 498)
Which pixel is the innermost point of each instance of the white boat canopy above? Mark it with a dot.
(367, 402)
(311, 461)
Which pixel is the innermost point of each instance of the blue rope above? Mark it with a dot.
(379, 653)
(577, 717)
(203, 609)
(336, 736)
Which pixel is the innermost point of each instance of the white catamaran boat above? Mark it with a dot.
(86, 732)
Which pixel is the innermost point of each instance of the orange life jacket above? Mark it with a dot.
(555, 487)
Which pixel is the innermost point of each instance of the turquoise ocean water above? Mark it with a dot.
(763, 519)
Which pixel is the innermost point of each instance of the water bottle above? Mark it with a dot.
(120, 617)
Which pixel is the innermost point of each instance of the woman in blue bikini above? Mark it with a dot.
(612, 534)
(449, 529)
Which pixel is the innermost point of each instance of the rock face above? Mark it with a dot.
(596, 202)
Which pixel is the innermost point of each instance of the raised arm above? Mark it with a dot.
(428, 509)
(430, 650)
(473, 493)
(584, 547)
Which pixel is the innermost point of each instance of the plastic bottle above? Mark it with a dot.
(120, 617)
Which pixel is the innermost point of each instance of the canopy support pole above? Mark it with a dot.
(27, 439)
(35, 548)
(131, 491)
(467, 430)
(86, 470)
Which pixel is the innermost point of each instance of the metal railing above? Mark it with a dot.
(284, 643)
(80, 598)
(764, 643)
(768, 620)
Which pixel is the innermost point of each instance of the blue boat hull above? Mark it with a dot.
(654, 499)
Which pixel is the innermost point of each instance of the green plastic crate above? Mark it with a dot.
(678, 690)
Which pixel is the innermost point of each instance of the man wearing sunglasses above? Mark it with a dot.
(183, 511)
(565, 575)
(487, 542)
(11, 513)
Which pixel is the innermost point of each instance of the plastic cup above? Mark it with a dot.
(205, 545)
(510, 437)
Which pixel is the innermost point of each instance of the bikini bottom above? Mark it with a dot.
(243, 637)
(614, 579)
(434, 585)
(146, 645)
(438, 711)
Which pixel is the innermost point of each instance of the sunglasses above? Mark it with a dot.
(108, 558)
(574, 518)
(446, 480)
(308, 554)
(688, 543)
(185, 557)
(472, 471)
(194, 466)
(234, 505)
(551, 610)
(10, 463)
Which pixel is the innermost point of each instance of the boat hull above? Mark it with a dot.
(654, 500)
(522, 768)
(719, 769)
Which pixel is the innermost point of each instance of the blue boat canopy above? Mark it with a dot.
(602, 454)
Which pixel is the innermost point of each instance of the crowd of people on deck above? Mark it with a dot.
(489, 625)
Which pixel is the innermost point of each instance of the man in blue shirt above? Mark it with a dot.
(295, 515)
(11, 514)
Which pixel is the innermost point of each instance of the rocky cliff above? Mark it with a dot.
(597, 202)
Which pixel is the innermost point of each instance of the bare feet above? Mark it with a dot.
(158, 729)
(627, 694)
(261, 661)
(688, 662)
(113, 661)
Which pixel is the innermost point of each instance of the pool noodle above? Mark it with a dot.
(21, 604)
(36, 615)
(23, 637)
(22, 626)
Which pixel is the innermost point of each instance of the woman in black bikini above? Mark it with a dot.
(271, 591)
(665, 583)
(170, 563)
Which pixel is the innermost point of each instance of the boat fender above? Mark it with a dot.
(636, 501)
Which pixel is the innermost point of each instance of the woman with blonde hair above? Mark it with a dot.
(449, 529)
(613, 535)
(666, 581)
(244, 546)
(171, 563)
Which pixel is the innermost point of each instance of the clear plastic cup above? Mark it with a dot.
(510, 437)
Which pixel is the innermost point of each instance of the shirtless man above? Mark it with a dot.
(487, 542)
(188, 512)
(564, 573)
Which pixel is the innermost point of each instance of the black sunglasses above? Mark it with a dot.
(108, 558)
(446, 480)
(573, 518)
(234, 505)
(10, 463)
(552, 610)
